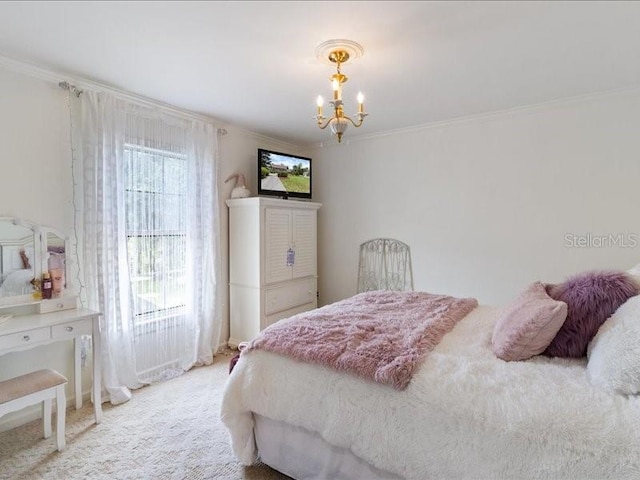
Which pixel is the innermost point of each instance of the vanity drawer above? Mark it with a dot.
(71, 329)
(56, 304)
(25, 338)
(290, 296)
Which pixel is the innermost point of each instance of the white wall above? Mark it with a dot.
(485, 203)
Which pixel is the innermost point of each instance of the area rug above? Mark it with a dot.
(168, 430)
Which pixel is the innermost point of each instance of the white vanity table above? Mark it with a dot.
(27, 251)
(23, 332)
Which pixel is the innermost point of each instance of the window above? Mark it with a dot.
(149, 237)
(156, 212)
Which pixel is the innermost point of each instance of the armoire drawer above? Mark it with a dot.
(289, 296)
(273, 318)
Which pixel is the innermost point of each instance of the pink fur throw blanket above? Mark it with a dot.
(381, 336)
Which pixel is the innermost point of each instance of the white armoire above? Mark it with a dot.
(273, 268)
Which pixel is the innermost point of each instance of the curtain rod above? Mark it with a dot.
(51, 75)
(71, 88)
(77, 92)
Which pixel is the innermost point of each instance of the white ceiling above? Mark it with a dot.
(252, 63)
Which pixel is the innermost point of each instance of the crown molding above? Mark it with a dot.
(32, 70)
(260, 137)
(54, 76)
(482, 117)
(51, 75)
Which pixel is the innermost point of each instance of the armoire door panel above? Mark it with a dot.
(304, 243)
(277, 244)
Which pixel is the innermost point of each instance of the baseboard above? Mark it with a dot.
(233, 343)
(34, 412)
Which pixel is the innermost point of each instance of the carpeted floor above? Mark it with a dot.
(169, 430)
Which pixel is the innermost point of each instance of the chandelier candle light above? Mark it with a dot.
(338, 52)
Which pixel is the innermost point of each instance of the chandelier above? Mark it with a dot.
(338, 52)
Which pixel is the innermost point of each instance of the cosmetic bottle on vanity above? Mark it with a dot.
(47, 286)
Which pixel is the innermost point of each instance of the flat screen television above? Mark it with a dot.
(283, 174)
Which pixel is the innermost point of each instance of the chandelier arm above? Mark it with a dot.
(326, 124)
(354, 123)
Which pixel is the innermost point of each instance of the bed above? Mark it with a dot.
(465, 414)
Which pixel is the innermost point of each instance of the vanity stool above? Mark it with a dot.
(35, 387)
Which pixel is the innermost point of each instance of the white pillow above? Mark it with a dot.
(635, 273)
(614, 353)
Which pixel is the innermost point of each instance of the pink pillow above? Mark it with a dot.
(528, 325)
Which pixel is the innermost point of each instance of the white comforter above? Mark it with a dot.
(466, 414)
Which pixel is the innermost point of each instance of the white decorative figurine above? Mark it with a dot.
(240, 190)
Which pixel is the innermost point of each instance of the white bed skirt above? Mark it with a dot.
(304, 455)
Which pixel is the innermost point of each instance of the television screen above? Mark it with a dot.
(283, 175)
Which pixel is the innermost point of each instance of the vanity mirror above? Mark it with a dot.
(28, 250)
(54, 260)
(18, 260)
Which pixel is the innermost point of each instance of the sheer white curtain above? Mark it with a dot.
(146, 197)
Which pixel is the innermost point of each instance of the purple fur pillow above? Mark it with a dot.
(591, 298)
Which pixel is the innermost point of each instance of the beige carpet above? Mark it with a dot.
(169, 430)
